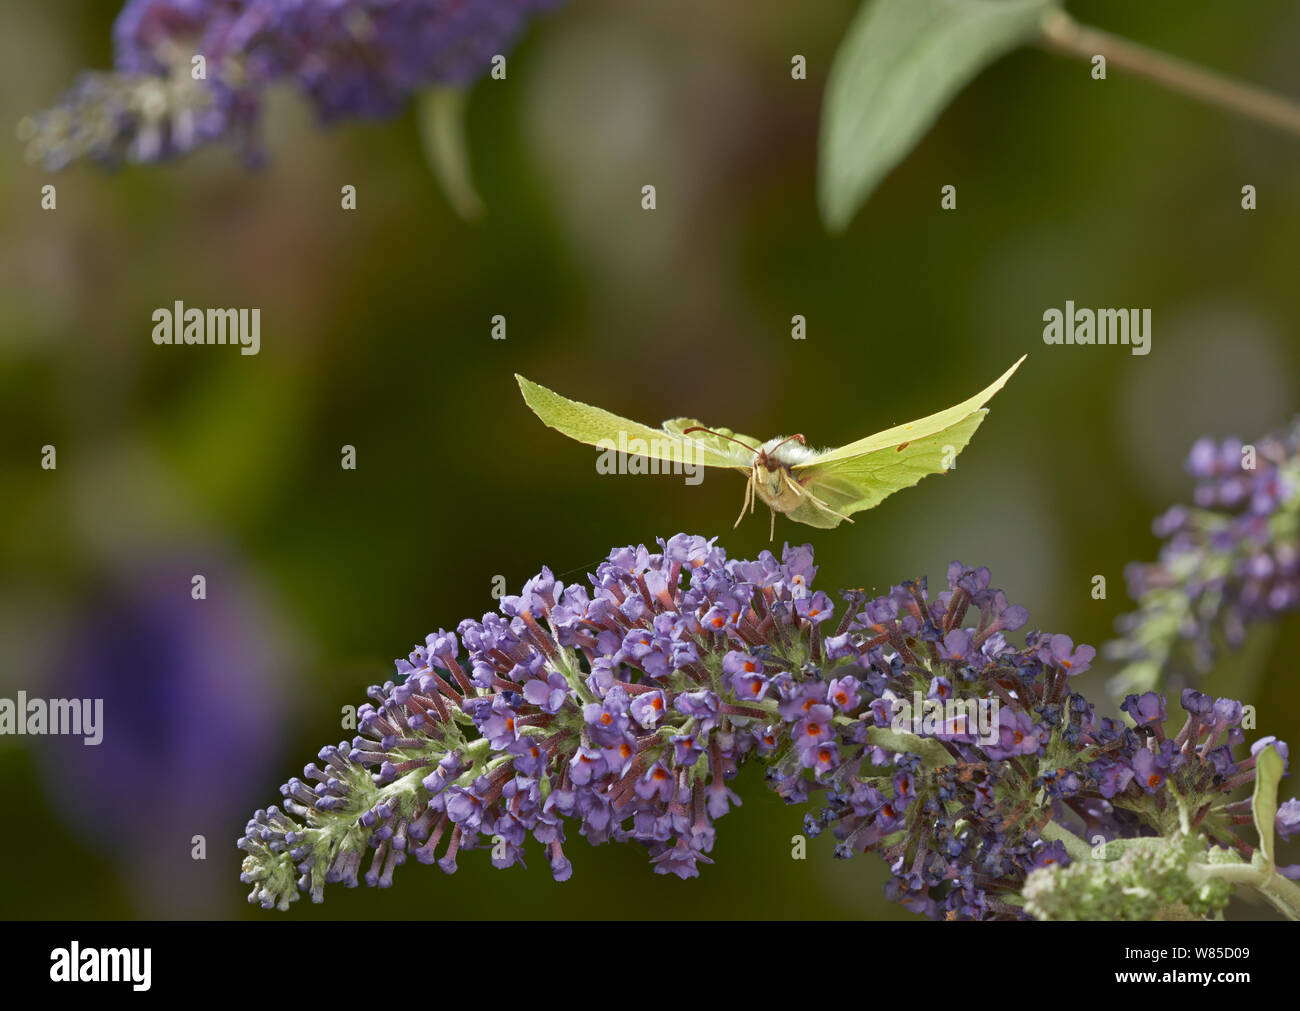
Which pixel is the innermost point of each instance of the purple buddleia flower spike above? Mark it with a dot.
(589, 707)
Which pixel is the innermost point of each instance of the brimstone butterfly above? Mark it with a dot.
(817, 487)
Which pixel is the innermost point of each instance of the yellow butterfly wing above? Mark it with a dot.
(603, 429)
(860, 475)
(913, 431)
(816, 514)
(845, 486)
(724, 440)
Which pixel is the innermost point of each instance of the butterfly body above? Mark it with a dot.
(775, 485)
(772, 477)
(818, 487)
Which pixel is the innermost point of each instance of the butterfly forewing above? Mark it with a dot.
(913, 431)
(723, 441)
(860, 482)
(595, 426)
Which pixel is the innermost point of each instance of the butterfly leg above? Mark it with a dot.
(796, 487)
(748, 503)
(771, 533)
(801, 490)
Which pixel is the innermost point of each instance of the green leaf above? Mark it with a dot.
(899, 64)
(441, 118)
(1076, 847)
(933, 755)
(1268, 774)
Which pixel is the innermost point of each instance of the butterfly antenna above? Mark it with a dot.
(788, 438)
(701, 428)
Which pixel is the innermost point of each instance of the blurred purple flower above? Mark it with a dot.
(1230, 561)
(1288, 818)
(191, 689)
(351, 58)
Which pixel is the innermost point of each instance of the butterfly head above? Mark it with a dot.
(783, 452)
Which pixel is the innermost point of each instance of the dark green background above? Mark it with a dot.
(375, 333)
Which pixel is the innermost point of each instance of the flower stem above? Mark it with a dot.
(1282, 894)
(1065, 35)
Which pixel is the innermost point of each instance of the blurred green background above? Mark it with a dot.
(375, 333)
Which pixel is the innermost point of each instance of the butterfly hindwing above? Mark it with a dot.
(815, 514)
